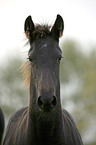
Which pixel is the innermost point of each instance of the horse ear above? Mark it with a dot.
(29, 27)
(58, 27)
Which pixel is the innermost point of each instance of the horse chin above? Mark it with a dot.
(46, 115)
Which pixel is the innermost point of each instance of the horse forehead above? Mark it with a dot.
(45, 44)
(47, 49)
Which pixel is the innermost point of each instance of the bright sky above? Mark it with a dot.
(79, 18)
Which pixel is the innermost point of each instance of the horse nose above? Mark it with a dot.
(47, 104)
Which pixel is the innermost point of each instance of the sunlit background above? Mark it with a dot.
(78, 68)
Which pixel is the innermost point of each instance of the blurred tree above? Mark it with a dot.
(78, 78)
(13, 94)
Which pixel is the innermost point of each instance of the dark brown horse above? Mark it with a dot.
(43, 122)
(2, 123)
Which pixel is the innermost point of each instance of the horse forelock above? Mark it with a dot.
(40, 31)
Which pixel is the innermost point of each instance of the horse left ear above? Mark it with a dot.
(58, 27)
(29, 27)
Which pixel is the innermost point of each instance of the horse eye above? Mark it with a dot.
(60, 57)
(29, 59)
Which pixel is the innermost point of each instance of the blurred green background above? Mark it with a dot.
(78, 87)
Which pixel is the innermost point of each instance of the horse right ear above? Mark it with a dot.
(29, 27)
(58, 27)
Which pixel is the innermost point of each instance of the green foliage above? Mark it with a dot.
(78, 75)
(13, 94)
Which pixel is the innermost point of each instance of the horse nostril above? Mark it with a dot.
(40, 102)
(46, 104)
(53, 102)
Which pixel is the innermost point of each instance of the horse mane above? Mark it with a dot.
(26, 72)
